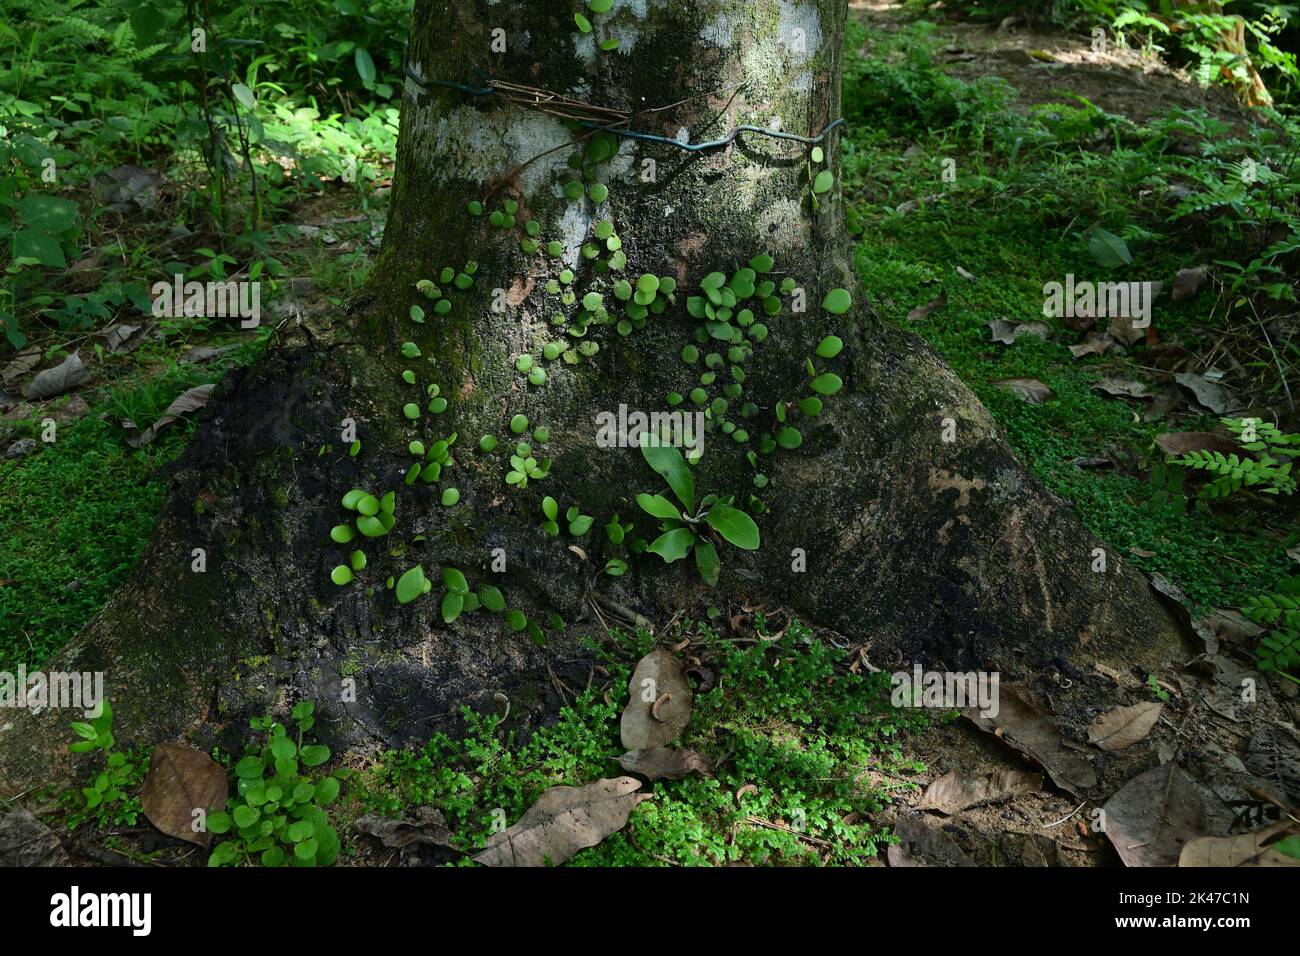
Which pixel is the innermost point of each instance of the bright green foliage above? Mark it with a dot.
(683, 531)
(1279, 650)
(1266, 473)
(812, 738)
(277, 815)
(112, 799)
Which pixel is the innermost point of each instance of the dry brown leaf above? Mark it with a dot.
(1124, 726)
(181, 780)
(1165, 401)
(25, 841)
(1183, 443)
(922, 844)
(1029, 390)
(563, 821)
(954, 792)
(1022, 726)
(65, 376)
(1000, 330)
(204, 353)
(1230, 626)
(649, 720)
(123, 338)
(1246, 849)
(923, 311)
(1121, 387)
(1125, 330)
(1210, 395)
(1188, 282)
(432, 830)
(1097, 343)
(665, 763)
(1153, 815)
(192, 399)
(1174, 594)
(22, 363)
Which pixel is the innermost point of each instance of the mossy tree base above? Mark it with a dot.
(902, 519)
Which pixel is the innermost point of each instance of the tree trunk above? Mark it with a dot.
(920, 531)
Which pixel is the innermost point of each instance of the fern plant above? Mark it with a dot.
(1268, 473)
(1279, 649)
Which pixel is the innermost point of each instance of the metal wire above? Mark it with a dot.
(636, 134)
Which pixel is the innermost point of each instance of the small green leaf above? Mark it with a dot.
(829, 347)
(837, 301)
(706, 561)
(365, 65)
(410, 585)
(667, 461)
(734, 525)
(452, 605)
(313, 755)
(658, 506)
(455, 581)
(491, 598)
(673, 545)
(826, 384)
(1108, 249)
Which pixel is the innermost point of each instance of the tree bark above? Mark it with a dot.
(943, 552)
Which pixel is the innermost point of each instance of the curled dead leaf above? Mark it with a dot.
(1126, 331)
(1022, 725)
(67, 375)
(658, 704)
(1000, 330)
(21, 364)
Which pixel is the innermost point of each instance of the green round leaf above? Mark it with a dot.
(837, 301)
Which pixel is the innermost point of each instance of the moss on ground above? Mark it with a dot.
(1027, 189)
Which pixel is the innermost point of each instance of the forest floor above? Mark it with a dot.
(1039, 130)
